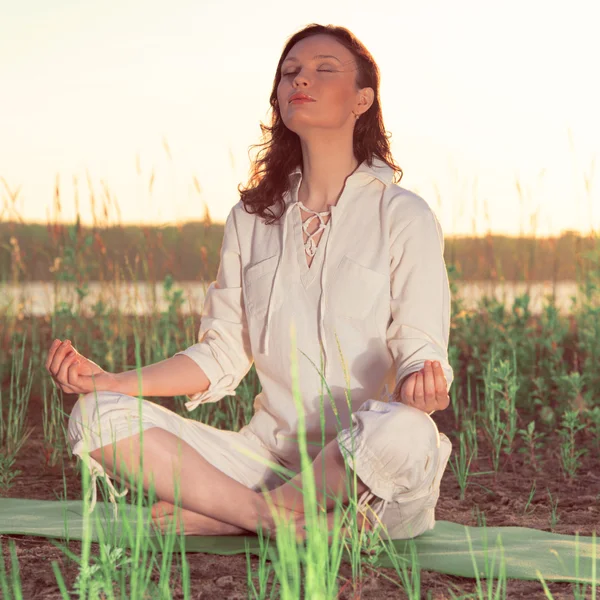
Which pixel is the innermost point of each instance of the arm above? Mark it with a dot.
(419, 329)
(174, 376)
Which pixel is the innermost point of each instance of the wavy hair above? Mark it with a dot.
(282, 152)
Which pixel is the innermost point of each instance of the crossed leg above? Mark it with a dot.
(287, 498)
(235, 509)
(220, 505)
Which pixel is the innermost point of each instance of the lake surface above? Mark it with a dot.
(39, 297)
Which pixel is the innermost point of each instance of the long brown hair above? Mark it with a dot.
(282, 152)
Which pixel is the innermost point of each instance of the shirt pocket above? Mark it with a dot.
(355, 289)
(258, 279)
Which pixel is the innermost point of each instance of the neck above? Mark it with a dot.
(324, 173)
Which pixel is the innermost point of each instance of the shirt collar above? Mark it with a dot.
(379, 170)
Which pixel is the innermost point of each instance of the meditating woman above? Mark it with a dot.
(325, 247)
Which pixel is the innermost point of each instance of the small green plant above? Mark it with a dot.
(470, 429)
(461, 465)
(500, 394)
(569, 454)
(110, 560)
(533, 442)
(554, 518)
(531, 495)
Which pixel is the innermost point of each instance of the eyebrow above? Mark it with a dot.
(314, 57)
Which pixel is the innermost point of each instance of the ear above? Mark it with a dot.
(367, 97)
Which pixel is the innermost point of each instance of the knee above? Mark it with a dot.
(415, 425)
(396, 446)
(398, 433)
(403, 448)
(393, 432)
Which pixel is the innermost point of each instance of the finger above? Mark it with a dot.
(419, 394)
(429, 387)
(63, 372)
(73, 372)
(59, 356)
(441, 386)
(55, 344)
(72, 384)
(408, 388)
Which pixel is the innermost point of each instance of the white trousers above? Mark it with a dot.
(395, 449)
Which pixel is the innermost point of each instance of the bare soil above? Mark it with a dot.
(225, 577)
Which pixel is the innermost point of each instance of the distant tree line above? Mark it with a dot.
(190, 252)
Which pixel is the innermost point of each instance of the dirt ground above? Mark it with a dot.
(224, 577)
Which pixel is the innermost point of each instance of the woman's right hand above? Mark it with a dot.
(75, 374)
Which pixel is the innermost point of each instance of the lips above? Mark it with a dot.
(300, 97)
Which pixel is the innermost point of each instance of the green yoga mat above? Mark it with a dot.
(444, 549)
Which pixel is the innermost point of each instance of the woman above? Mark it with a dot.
(350, 260)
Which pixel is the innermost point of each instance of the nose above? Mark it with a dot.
(298, 77)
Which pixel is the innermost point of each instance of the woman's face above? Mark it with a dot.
(330, 81)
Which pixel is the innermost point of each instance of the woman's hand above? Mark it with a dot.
(426, 389)
(73, 373)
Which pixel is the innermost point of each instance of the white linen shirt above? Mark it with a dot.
(378, 281)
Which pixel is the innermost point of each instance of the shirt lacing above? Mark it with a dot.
(310, 245)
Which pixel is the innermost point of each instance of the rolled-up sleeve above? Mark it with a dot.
(419, 329)
(223, 348)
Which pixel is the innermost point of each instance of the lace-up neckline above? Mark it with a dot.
(309, 245)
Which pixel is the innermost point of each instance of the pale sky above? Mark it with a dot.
(477, 95)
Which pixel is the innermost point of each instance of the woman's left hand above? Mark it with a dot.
(426, 389)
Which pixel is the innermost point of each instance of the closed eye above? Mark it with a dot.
(293, 72)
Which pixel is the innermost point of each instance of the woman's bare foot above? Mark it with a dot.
(363, 523)
(197, 524)
(193, 523)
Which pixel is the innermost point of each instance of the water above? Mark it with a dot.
(39, 297)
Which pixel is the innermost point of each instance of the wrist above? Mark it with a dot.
(107, 382)
(125, 382)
